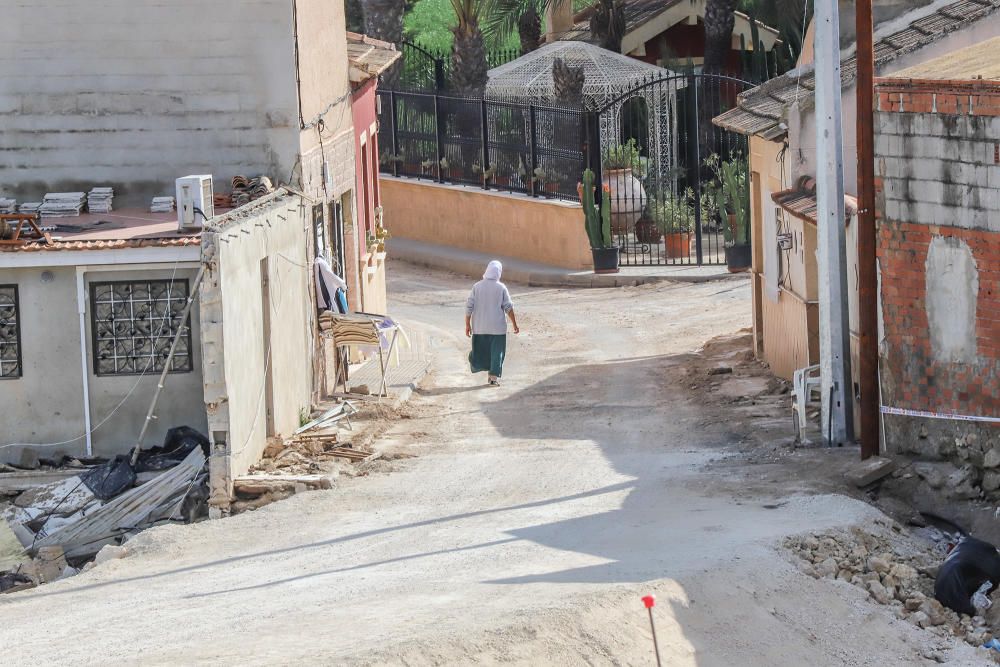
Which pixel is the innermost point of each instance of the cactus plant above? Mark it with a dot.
(597, 221)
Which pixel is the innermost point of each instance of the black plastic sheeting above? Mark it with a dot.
(116, 476)
(178, 443)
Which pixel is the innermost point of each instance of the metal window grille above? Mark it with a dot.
(10, 333)
(133, 324)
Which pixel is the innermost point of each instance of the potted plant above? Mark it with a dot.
(733, 198)
(674, 219)
(598, 226)
(427, 166)
(546, 180)
(623, 167)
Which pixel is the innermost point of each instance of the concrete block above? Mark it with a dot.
(870, 471)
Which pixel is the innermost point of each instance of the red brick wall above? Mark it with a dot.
(961, 97)
(918, 381)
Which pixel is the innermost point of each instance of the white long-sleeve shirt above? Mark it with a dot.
(488, 305)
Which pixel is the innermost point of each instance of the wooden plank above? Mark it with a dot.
(16, 482)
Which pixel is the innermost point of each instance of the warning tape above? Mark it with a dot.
(886, 410)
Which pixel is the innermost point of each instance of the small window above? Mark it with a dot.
(10, 333)
(133, 325)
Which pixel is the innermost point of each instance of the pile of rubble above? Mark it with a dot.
(60, 519)
(896, 571)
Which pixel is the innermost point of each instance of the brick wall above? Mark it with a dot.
(938, 164)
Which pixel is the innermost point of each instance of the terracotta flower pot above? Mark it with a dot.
(678, 244)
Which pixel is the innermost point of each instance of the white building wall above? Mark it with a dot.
(136, 93)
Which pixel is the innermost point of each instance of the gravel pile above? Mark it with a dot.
(897, 575)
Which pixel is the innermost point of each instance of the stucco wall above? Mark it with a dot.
(537, 230)
(136, 93)
(238, 356)
(48, 400)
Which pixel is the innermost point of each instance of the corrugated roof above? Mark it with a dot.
(756, 114)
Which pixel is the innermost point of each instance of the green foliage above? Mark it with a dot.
(731, 189)
(597, 222)
(673, 213)
(624, 156)
(429, 23)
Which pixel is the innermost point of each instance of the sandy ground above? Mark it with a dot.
(525, 530)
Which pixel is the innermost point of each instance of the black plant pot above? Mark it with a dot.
(738, 258)
(605, 259)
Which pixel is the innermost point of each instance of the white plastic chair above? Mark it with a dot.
(805, 383)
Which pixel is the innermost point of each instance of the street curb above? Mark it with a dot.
(406, 392)
(513, 274)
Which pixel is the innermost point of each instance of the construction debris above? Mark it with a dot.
(162, 205)
(894, 571)
(62, 204)
(99, 200)
(869, 471)
(246, 189)
(54, 527)
(14, 483)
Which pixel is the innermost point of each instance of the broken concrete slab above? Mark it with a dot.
(257, 485)
(65, 497)
(869, 471)
(11, 550)
(17, 482)
(50, 564)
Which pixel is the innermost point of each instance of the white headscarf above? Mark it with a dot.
(493, 271)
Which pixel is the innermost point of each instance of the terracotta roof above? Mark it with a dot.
(979, 61)
(761, 111)
(800, 201)
(369, 57)
(124, 228)
(637, 14)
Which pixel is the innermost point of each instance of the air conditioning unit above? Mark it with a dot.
(195, 201)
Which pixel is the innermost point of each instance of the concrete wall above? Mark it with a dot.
(248, 338)
(536, 230)
(939, 255)
(49, 397)
(135, 93)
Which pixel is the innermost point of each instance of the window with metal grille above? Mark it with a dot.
(10, 333)
(133, 324)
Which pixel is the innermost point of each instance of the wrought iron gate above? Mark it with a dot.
(668, 200)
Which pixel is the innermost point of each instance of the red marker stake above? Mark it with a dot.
(650, 602)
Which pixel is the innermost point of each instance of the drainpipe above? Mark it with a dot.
(81, 307)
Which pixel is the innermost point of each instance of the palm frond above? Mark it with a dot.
(500, 22)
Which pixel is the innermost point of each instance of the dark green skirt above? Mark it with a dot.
(487, 354)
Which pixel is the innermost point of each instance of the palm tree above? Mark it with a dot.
(468, 51)
(607, 24)
(509, 16)
(719, 23)
(383, 19)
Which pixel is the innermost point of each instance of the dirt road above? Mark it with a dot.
(526, 528)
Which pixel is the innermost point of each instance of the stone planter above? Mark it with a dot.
(628, 199)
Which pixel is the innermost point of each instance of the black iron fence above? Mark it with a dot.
(679, 186)
(531, 149)
(426, 70)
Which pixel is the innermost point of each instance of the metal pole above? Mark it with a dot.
(694, 161)
(834, 328)
(533, 132)
(169, 361)
(395, 132)
(485, 141)
(437, 141)
(867, 262)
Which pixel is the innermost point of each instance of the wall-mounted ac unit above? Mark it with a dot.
(195, 201)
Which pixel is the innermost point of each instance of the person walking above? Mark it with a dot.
(486, 313)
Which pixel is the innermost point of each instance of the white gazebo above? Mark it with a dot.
(611, 81)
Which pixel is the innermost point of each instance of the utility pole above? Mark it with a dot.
(834, 328)
(867, 263)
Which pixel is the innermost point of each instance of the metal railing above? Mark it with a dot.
(536, 150)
